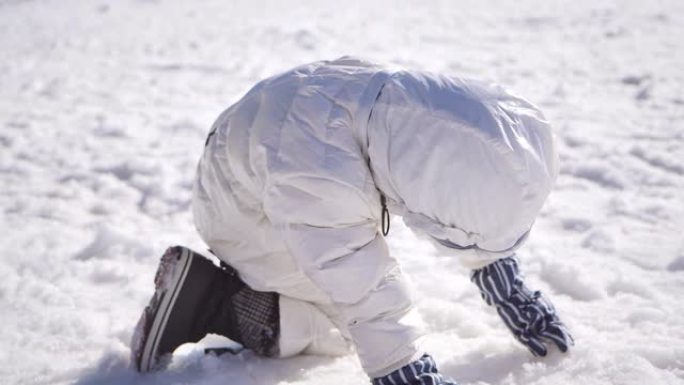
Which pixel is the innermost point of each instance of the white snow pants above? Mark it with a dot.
(304, 328)
(309, 324)
(230, 218)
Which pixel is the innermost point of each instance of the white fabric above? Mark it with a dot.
(306, 329)
(288, 188)
(462, 161)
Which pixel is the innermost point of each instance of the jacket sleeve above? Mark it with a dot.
(331, 228)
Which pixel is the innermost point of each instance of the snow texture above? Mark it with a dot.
(104, 107)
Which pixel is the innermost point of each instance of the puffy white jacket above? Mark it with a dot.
(288, 189)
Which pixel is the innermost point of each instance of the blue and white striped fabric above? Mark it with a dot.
(529, 315)
(420, 372)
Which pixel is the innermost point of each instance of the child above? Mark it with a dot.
(295, 181)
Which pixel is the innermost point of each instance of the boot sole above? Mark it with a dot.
(149, 358)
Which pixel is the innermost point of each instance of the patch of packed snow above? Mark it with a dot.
(104, 107)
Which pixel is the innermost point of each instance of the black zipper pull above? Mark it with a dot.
(385, 216)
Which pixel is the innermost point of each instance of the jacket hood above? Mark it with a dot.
(465, 162)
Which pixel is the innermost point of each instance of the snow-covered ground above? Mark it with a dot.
(104, 106)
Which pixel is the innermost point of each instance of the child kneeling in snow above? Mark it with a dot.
(293, 185)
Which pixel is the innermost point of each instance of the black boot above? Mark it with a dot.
(192, 298)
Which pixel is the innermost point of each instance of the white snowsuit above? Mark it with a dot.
(288, 192)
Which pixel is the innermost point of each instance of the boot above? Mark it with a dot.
(194, 297)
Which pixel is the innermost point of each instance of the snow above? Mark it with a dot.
(104, 106)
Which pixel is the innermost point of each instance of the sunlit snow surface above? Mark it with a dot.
(104, 106)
